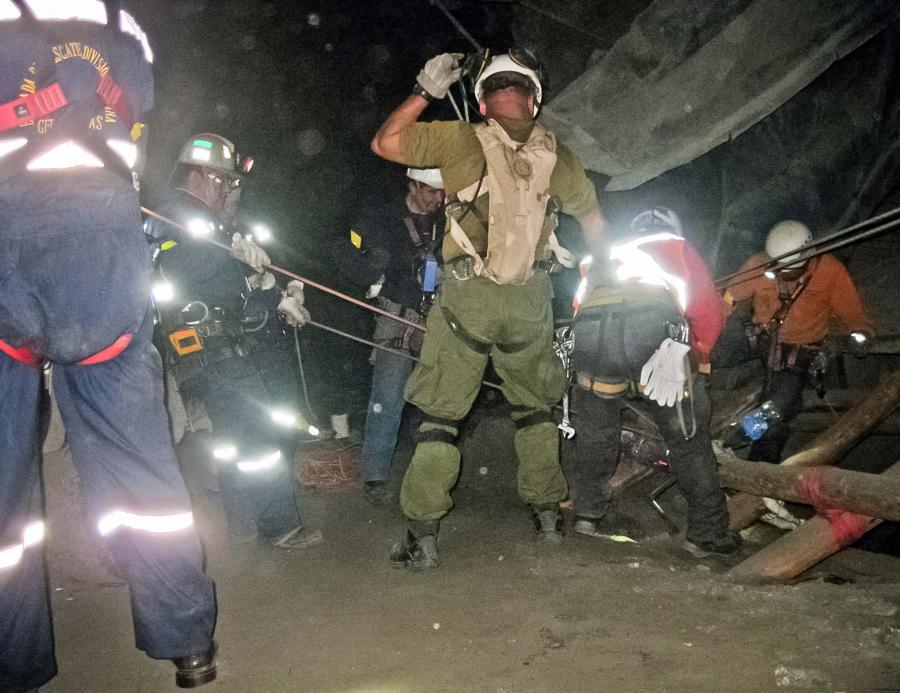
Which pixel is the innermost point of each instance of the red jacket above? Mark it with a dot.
(678, 266)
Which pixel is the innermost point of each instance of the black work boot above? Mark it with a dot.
(378, 493)
(196, 670)
(726, 547)
(548, 524)
(418, 549)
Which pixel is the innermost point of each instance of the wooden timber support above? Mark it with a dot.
(825, 487)
(831, 445)
(814, 540)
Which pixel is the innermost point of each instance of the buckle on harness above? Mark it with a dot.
(186, 341)
(25, 110)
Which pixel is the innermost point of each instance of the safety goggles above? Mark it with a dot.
(476, 63)
(505, 80)
(524, 57)
(223, 180)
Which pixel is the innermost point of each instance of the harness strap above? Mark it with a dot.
(463, 335)
(28, 356)
(436, 435)
(23, 354)
(533, 419)
(598, 387)
(23, 111)
(110, 352)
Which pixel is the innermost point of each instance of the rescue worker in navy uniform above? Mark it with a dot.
(394, 250)
(229, 346)
(507, 179)
(75, 76)
(660, 306)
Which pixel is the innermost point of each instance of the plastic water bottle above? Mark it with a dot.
(756, 421)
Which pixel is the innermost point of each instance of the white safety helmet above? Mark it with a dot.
(504, 63)
(429, 176)
(785, 237)
(210, 151)
(657, 220)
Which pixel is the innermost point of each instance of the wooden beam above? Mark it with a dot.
(828, 487)
(814, 540)
(831, 445)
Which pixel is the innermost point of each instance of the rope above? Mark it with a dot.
(288, 273)
(302, 373)
(822, 245)
(396, 352)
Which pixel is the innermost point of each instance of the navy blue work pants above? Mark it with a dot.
(74, 276)
(240, 394)
(118, 434)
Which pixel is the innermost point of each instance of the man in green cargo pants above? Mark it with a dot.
(506, 180)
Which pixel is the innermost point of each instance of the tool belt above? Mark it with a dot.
(604, 389)
(781, 356)
(222, 336)
(463, 267)
(396, 335)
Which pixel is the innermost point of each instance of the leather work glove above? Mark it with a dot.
(291, 305)
(439, 73)
(248, 252)
(262, 281)
(663, 375)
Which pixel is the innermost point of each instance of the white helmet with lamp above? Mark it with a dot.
(516, 61)
(786, 237)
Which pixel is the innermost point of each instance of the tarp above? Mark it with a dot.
(692, 74)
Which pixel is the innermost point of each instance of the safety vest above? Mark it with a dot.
(636, 268)
(620, 320)
(69, 111)
(517, 180)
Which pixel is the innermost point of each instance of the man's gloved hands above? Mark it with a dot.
(248, 252)
(291, 306)
(663, 375)
(439, 73)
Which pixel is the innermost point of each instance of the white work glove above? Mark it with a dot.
(663, 375)
(248, 252)
(439, 73)
(291, 306)
(262, 281)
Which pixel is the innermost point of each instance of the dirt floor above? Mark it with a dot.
(501, 615)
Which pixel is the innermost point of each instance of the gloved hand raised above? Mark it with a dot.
(291, 305)
(663, 376)
(439, 73)
(248, 252)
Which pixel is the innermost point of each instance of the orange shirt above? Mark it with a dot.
(830, 294)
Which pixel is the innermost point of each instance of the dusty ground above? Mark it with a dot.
(499, 616)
